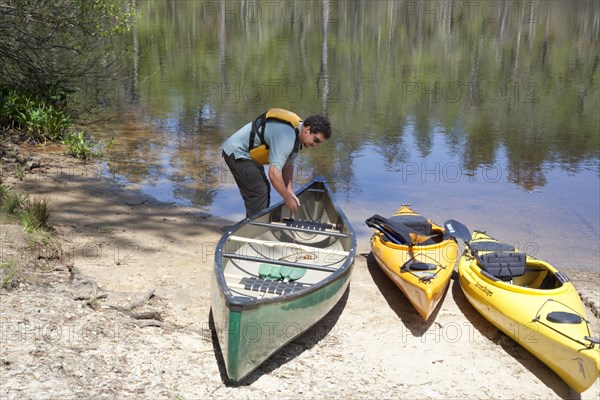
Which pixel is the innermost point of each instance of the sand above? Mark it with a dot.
(65, 334)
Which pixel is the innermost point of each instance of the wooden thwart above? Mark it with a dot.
(289, 245)
(280, 262)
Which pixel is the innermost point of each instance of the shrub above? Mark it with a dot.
(38, 119)
(80, 147)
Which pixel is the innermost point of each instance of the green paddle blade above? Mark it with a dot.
(291, 273)
(270, 272)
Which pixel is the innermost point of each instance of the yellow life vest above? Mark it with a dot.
(260, 153)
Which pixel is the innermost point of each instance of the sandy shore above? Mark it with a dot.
(373, 344)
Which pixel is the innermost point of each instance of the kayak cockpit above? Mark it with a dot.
(518, 269)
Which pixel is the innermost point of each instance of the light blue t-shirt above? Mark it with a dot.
(279, 136)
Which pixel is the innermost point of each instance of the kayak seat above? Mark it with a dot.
(504, 264)
(491, 245)
(415, 223)
(268, 286)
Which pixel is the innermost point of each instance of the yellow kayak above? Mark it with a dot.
(416, 255)
(533, 303)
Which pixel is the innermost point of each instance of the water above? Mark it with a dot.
(484, 112)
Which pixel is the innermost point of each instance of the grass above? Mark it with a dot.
(36, 214)
(8, 273)
(32, 213)
(34, 244)
(19, 172)
(11, 201)
(3, 192)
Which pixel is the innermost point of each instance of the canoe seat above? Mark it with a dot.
(504, 264)
(267, 286)
(305, 224)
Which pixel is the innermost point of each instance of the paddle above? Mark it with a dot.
(377, 223)
(291, 274)
(273, 272)
(458, 230)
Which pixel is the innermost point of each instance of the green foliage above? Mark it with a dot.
(59, 41)
(81, 147)
(19, 172)
(111, 17)
(35, 214)
(38, 119)
(4, 191)
(32, 213)
(11, 201)
(7, 274)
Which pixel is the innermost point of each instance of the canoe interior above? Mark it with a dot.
(278, 254)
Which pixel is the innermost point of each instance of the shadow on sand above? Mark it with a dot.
(398, 302)
(511, 347)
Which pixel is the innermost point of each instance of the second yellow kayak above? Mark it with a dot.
(534, 304)
(416, 255)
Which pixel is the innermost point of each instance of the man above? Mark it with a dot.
(274, 138)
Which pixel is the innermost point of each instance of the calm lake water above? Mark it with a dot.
(485, 112)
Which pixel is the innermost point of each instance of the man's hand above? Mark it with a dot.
(292, 202)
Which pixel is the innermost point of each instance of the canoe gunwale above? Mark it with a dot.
(239, 303)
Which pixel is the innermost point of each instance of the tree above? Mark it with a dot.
(47, 43)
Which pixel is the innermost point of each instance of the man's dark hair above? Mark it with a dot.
(318, 123)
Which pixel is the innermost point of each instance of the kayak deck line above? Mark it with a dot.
(537, 299)
(565, 318)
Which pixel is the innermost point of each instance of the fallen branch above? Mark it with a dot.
(146, 322)
(146, 315)
(138, 303)
(141, 319)
(91, 300)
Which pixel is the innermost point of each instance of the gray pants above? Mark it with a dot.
(252, 182)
